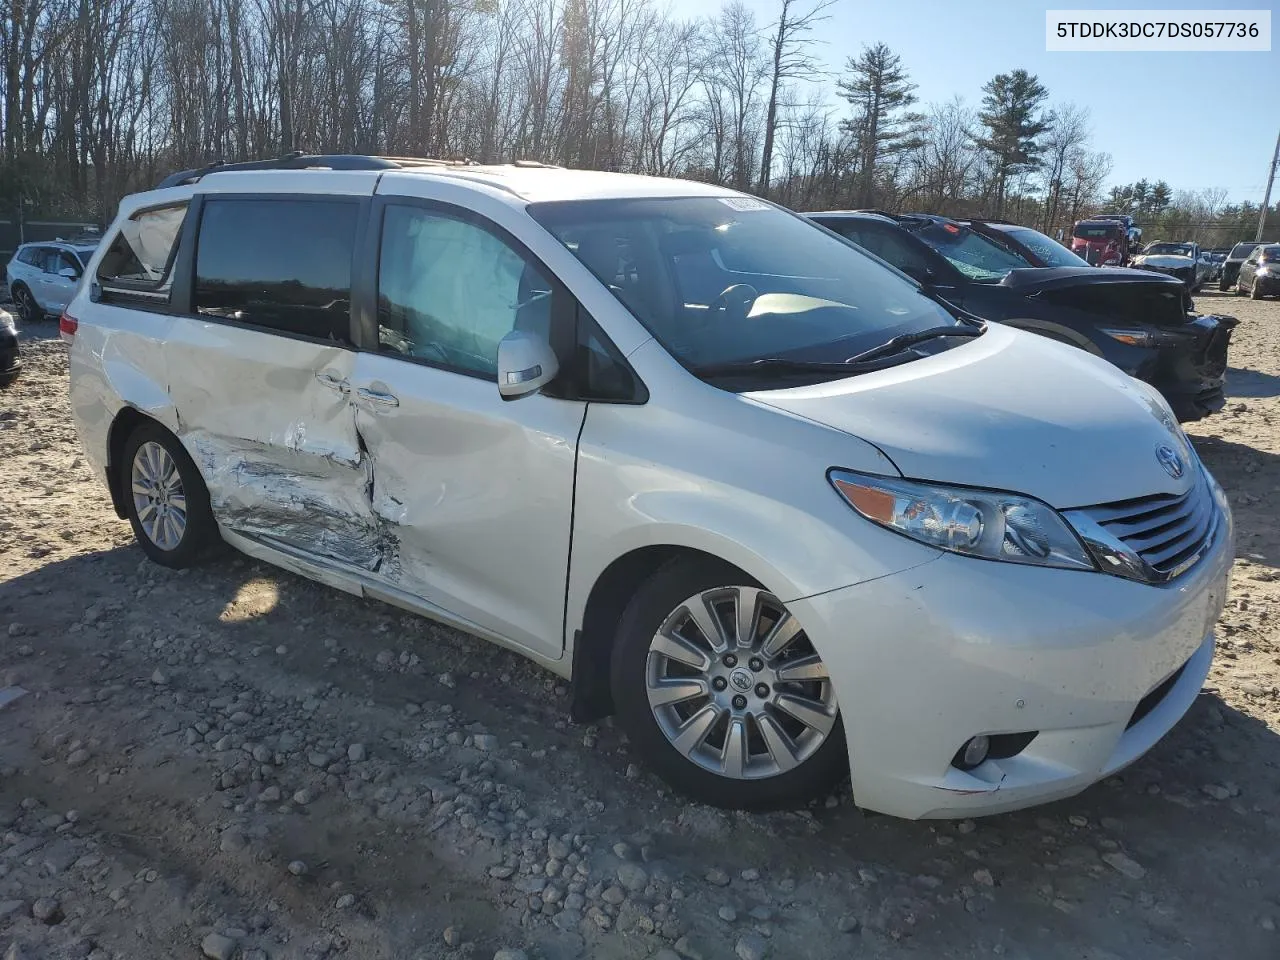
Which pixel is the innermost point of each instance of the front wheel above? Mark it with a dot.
(165, 498)
(723, 694)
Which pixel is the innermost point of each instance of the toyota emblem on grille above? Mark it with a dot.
(1170, 460)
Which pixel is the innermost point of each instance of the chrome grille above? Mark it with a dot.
(1152, 538)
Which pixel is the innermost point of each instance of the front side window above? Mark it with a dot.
(140, 254)
(449, 290)
(1270, 254)
(732, 279)
(977, 257)
(280, 264)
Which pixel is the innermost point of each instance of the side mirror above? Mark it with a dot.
(526, 364)
(68, 272)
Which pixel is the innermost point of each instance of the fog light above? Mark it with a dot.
(973, 753)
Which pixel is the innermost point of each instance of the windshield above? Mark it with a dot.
(971, 253)
(1050, 252)
(1171, 249)
(1270, 254)
(1241, 251)
(1097, 231)
(732, 279)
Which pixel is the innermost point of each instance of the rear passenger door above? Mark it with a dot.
(259, 372)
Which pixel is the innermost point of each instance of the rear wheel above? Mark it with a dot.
(165, 498)
(723, 694)
(1254, 293)
(28, 310)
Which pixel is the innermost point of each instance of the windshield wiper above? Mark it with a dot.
(784, 365)
(901, 342)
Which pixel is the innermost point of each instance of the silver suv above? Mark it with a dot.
(42, 277)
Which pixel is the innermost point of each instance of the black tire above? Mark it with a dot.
(1253, 292)
(652, 603)
(1223, 287)
(28, 310)
(200, 535)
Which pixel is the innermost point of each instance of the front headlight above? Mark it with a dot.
(978, 523)
(1269, 271)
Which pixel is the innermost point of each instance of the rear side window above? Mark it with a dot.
(31, 256)
(141, 254)
(280, 264)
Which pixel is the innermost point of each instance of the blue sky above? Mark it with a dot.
(1194, 119)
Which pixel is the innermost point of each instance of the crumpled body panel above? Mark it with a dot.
(315, 503)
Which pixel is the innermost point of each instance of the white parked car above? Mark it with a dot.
(747, 486)
(42, 277)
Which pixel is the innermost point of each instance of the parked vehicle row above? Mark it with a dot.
(784, 510)
(1140, 321)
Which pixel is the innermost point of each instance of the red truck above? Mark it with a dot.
(1104, 240)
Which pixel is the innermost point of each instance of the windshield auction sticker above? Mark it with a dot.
(1179, 31)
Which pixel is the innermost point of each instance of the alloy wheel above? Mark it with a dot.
(158, 497)
(736, 686)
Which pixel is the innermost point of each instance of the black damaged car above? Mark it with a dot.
(10, 359)
(1142, 322)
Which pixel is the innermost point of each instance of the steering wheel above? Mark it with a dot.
(734, 303)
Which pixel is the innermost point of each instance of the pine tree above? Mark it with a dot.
(1011, 113)
(877, 87)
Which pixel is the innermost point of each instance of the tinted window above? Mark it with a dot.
(140, 253)
(1241, 250)
(1052, 253)
(887, 242)
(1270, 254)
(449, 290)
(282, 264)
(727, 279)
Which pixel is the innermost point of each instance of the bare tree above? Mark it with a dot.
(792, 59)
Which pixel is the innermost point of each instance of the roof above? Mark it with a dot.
(528, 180)
(540, 184)
(851, 215)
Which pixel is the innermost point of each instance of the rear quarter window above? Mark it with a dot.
(140, 257)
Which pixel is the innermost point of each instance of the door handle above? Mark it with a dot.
(333, 383)
(377, 396)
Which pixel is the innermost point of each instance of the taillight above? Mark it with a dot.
(67, 326)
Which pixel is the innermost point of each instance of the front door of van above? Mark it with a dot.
(476, 492)
(259, 375)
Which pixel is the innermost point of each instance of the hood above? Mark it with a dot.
(1030, 280)
(1169, 261)
(1007, 411)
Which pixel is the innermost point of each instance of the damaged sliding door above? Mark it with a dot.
(259, 376)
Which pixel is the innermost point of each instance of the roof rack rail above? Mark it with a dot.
(290, 161)
(882, 213)
(299, 161)
(988, 220)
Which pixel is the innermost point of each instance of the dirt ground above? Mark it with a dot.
(236, 762)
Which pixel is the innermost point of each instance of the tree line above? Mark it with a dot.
(104, 97)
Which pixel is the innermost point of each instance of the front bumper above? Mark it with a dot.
(925, 659)
(10, 360)
(1268, 286)
(1190, 371)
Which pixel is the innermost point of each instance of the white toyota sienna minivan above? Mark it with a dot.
(751, 489)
